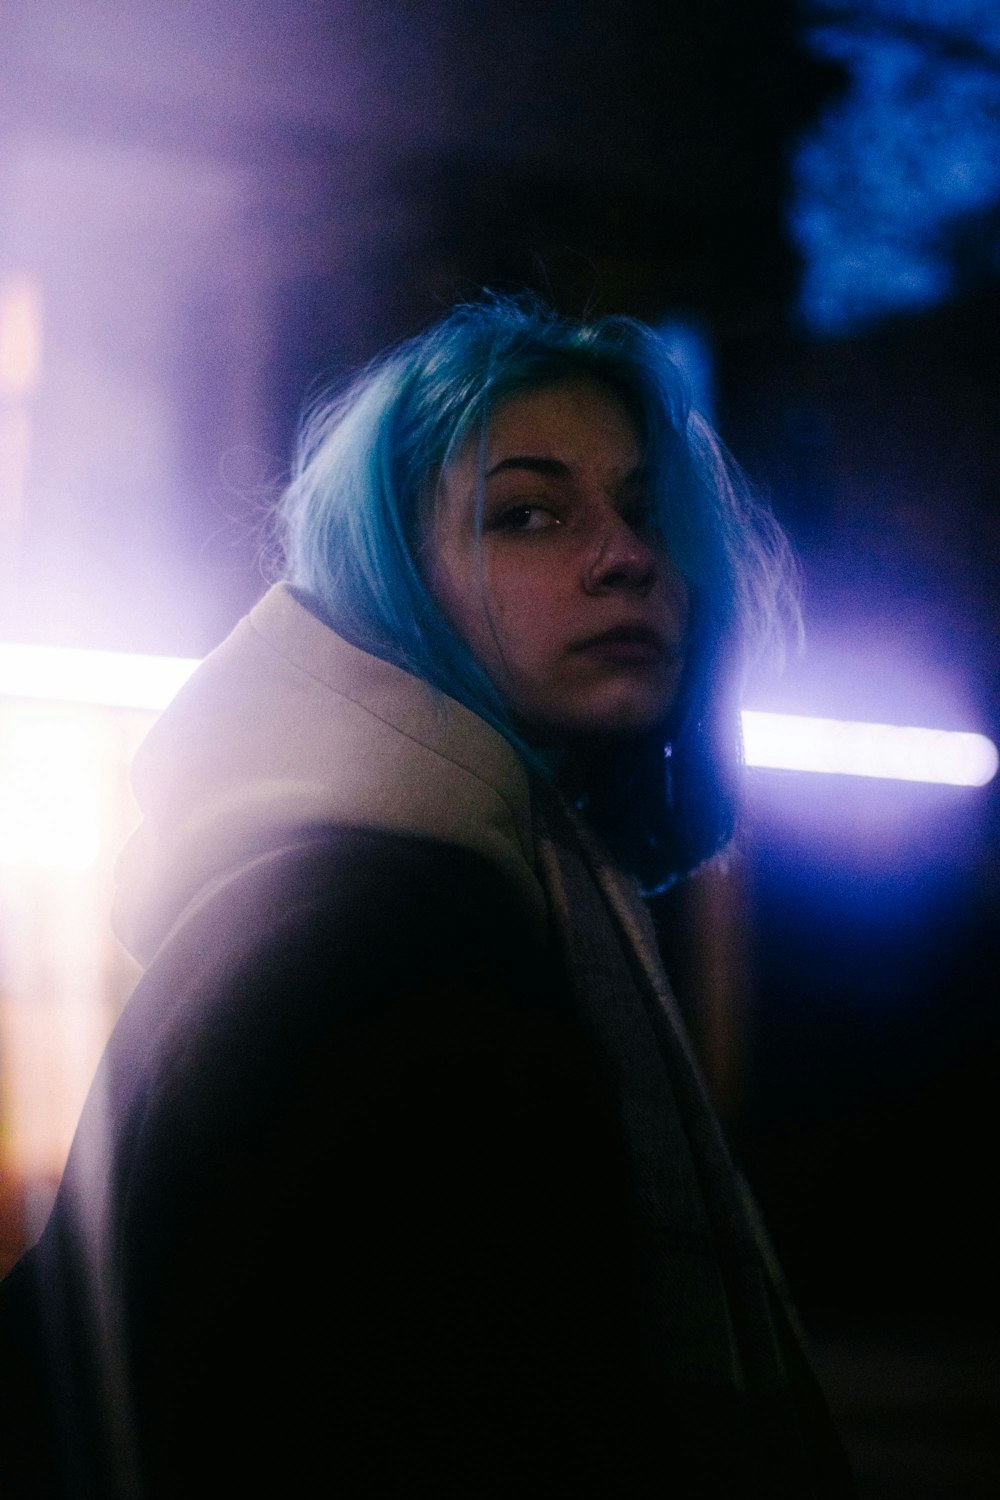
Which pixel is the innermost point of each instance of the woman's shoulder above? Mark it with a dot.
(344, 943)
(333, 977)
(359, 1025)
(375, 906)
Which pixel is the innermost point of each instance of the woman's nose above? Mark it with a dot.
(620, 558)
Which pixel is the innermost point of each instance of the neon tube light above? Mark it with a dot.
(113, 678)
(787, 742)
(894, 752)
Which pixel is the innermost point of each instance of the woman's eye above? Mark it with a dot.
(525, 518)
(641, 514)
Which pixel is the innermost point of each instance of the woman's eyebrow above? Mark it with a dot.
(556, 469)
(551, 466)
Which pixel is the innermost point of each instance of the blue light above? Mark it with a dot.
(899, 169)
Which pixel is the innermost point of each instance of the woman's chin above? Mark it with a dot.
(602, 725)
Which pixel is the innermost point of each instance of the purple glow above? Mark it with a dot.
(893, 752)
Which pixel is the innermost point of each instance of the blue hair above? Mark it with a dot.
(353, 514)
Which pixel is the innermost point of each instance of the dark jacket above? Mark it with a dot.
(351, 1208)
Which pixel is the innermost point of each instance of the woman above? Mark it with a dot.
(398, 1175)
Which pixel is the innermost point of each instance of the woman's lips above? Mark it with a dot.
(629, 644)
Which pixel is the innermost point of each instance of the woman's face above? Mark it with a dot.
(568, 597)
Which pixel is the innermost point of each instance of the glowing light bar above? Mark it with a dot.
(114, 678)
(891, 751)
(787, 742)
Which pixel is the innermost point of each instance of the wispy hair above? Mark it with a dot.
(354, 512)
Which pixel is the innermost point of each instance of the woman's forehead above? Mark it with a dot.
(579, 420)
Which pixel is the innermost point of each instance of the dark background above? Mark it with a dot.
(225, 203)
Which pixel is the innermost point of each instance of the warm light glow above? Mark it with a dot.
(792, 743)
(113, 678)
(50, 789)
(20, 335)
(65, 810)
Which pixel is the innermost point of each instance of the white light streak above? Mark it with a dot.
(113, 678)
(789, 742)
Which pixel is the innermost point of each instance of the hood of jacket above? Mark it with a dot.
(286, 726)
